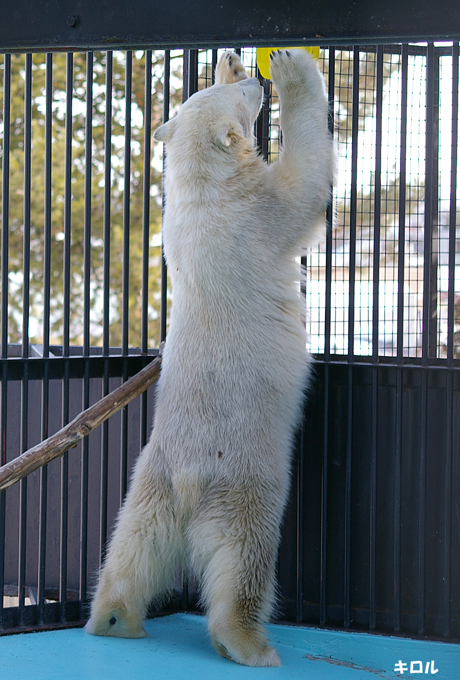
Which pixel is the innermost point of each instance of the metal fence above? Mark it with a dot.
(372, 532)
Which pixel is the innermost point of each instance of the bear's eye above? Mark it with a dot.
(244, 93)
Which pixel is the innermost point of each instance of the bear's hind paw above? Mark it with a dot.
(116, 623)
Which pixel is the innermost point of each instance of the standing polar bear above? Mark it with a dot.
(210, 487)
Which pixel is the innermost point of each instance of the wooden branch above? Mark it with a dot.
(80, 427)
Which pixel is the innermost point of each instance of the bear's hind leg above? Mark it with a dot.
(234, 541)
(142, 558)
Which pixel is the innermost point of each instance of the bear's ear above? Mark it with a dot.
(224, 136)
(165, 131)
(227, 134)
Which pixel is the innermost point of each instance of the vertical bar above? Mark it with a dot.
(453, 205)
(430, 326)
(190, 82)
(327, 358)
(375, 337)
(82, 589)
(263, 122)
(25, 332)
(106, 323)
(353, 204)
(66, 333)
(146, 198)
(377, 202)
(107, 201)
(87, 206)
(351, 324)
(5, 200)
(67, 204)
(46, 333)
(146, 229)
(125, 273)
(400, 345)
(429, 340)
(126, 202)
(164, 270)
(213, 66)
(450, 345)
(300, 526)
(402, 204)
(4, 300)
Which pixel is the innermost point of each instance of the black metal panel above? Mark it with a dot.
(424, 517)
(85, 24)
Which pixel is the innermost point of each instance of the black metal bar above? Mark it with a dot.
(429, 330)
(400, 345)
(106, 303)
(351, 324)
(164, 270)
(82, 592)
(190, 74)
(67, 205)
(146, 197)
(48, 204)
(263, 122)
(5, 199)
(146, 228)
(101, 25)
(427, 336)
(107, 201)
(126, 203)
(125, 272)
(82, 588)
(213, 65)
(447, 577)
(377, 203)
(375, 336)
(329, 216)
(453, 205)
(87, 214)
(327, 356)
(27, 203)
(63, 528)
(300, 527)
(22, 563)
(4, 304)
(402, 204)
(3, 423)
(46, 334)
(353, 202)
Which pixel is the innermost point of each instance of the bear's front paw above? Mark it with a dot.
(293, 70)
(230, 69)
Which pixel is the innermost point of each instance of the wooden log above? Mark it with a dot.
(80, 427)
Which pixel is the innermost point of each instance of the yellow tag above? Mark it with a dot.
(263, 57)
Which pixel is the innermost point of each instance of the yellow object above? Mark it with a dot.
(263, 57)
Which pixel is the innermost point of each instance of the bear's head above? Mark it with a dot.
(221, 115)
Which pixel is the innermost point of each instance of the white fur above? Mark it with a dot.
(210, 487)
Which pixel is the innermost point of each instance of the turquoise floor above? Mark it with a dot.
(178, 648)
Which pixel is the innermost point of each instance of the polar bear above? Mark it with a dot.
(209, 489)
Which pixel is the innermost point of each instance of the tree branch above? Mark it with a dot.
(80, 427)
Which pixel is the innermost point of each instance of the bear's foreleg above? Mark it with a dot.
(234, 541)
(301, 179)
(142, 558)
(230, 69)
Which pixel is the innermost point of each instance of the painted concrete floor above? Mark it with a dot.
(179, 648)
